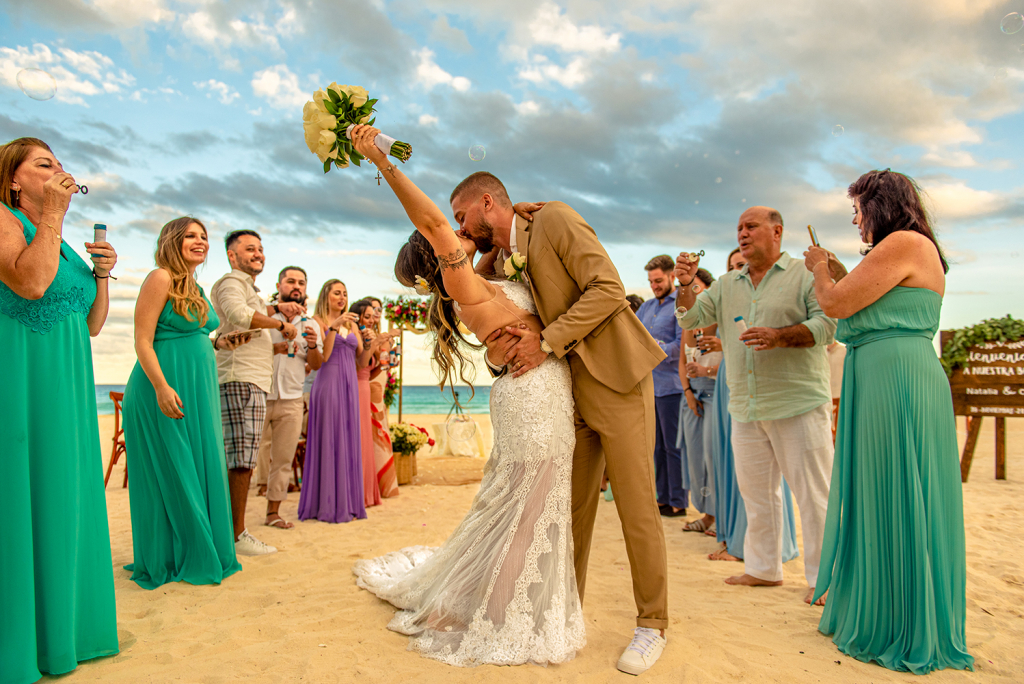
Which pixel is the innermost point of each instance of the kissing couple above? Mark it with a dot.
(574, 397)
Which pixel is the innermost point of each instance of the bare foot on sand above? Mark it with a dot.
(723, 554)
(810, 595)
(751, 581)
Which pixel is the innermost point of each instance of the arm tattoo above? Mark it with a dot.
(454, 260)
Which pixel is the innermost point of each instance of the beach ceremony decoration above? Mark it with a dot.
(327, 122)
(985, 366)
(406, 440)
(405, 314)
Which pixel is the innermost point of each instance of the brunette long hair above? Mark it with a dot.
(416, 258)
(186, 298)
(13, 155)
(890, 202)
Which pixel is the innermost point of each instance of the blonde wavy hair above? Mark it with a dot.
(323, 306)
(186, 298)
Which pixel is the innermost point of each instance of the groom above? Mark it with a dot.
(587, 320)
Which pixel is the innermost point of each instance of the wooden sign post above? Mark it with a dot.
(990, 383)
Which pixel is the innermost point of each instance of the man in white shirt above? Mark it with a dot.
(245, 373)
(283, 424)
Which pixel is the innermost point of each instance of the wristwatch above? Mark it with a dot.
(545, 347)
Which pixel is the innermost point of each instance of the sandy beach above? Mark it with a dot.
(298, 616)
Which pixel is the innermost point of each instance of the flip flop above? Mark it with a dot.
(711, 530)
(695, 526)
(280, 523)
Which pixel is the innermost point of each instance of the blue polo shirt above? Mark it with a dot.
(659, 317)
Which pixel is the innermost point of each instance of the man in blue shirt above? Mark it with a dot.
(658, 316)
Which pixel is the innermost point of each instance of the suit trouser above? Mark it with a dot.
(668, 457)
(797, 448)
(619, 429)
(281, 432)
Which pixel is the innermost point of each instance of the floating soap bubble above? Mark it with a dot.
(1012, 23)
(37, 84)
(477, 152)
(695, 288)
(696, 201)
(1020, 48)
(461, 428)
(705, 491)
(718, 180)
(837, 130)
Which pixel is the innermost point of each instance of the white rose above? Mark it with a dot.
(318, 99)
(515, 262)
(324, 143)
(312, 134)
(357, 95)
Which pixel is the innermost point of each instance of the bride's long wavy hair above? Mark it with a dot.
(416, 258)
(186, 299)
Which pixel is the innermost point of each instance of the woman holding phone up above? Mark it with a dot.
(181, 513)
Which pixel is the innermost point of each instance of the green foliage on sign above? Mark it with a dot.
(954, 354)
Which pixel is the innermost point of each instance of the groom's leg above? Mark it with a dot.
(587, 473)
(625, 424)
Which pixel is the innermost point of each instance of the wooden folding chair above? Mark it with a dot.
(118, 449)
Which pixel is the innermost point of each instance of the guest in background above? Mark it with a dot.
(180, 507)
(384, 458)
(635, 302)
(894, 561)
(285, 404)
(778, 381)
(332, 487)
(245, 374)
(658, 316)
(371, 342)
(697, 370)
(56, 577)
(730, 513)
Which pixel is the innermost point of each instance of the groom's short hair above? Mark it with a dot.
(481, 183)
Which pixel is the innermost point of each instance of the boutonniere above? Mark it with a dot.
(515, 268)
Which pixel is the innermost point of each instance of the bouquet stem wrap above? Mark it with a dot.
(384, 143)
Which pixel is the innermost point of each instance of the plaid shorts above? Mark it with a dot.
(243, 408)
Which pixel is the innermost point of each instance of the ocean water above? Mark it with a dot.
(417, 399)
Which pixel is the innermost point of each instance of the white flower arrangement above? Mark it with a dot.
(515, 267)
(422, 287)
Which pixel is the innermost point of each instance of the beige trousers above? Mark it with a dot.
(281, 432)
(617, 430)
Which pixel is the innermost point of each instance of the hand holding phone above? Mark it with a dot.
(814, 235)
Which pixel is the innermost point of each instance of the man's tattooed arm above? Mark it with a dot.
(456, 259)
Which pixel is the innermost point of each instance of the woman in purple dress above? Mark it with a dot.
(332, 484)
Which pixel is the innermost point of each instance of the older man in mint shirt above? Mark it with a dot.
(774, 336)
(658, 316)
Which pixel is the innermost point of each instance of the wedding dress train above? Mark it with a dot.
(502, 589)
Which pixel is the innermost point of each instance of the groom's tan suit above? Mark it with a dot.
(586, 318)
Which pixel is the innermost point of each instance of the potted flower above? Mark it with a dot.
(406, 440)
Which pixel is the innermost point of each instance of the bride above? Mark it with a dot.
(502, 589)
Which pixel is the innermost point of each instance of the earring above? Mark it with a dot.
(17, 197)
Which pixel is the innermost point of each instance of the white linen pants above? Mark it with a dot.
(799, 448)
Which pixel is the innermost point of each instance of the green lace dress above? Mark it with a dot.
(893, 558)
(177, 475)
(56, 576)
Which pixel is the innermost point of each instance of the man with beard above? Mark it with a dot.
(245, 374)
(658, 316)
(283, 424)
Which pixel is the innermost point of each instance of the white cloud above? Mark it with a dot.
(77, 74)
(349, 252)
(127, 13)
(207, 28)
(428, 120)
(225, 93)
(956, 200)
(280, 87)
(573, 74)
(550, 27)
(528, 107)
(430, 74)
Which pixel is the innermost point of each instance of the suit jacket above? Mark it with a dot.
(581, 300)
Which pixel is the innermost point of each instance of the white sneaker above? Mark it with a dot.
(248, 545)
(643, 651)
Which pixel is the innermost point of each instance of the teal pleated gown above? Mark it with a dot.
(177, 474)
(56, 575)
(893, 558)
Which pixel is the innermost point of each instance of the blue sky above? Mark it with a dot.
(658, 121)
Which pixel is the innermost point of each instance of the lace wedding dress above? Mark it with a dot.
(502, 589)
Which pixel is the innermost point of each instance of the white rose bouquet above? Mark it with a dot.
(330, 116)
(514, 267)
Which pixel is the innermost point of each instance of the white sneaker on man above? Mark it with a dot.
(643, 651)
(248, 545)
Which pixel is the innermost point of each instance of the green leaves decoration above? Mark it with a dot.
(954, 354)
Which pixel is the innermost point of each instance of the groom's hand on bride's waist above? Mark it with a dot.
(527, 353)
(499, 343)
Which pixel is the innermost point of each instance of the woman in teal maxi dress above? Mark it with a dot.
(181, 512)
(56, 576)
(893, 558)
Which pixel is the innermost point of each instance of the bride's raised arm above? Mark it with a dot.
(465, 286)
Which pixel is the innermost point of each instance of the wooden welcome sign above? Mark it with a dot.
(989, 383)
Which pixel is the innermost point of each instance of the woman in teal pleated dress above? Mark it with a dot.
(177, 480)
(893, 559)
(56, 577)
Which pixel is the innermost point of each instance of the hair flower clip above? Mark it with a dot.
(422, 287)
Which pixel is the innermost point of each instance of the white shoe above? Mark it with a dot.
(643, 651)
(248, 545)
